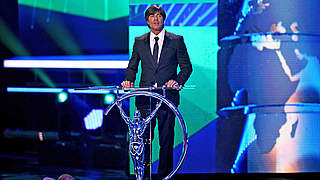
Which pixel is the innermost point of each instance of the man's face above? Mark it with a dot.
(155, 22)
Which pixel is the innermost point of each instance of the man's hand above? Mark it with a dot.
(127, 84)
(172, 83)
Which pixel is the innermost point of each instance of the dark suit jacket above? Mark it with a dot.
(173, 53)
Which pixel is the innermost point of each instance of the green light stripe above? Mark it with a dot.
(138, 2)
(44, 77)
(97, 9)
(66, 41)
(58, 32)
(9, 39)
(93, 77)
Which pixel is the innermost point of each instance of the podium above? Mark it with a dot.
(137, 125)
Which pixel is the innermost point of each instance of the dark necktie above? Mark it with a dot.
(156, 50)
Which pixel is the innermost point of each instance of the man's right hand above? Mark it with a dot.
(127, 84)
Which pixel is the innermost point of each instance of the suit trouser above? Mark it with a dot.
(166, 122)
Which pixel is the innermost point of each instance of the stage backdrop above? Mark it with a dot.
(274, 55)
(197, 23)
(73, 27)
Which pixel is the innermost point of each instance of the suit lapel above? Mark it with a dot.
(164, 49)
(147, 47)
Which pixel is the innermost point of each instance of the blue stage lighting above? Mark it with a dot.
(109, 98)
(34, 90)
(58, 90)
(94, 119)
(112, 61)
(62, 97)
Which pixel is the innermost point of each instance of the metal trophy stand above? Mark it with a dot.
(138, 125)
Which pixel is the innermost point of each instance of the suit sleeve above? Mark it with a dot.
(132, 68)
(184, 63)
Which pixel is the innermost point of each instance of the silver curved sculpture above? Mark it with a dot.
(136, 148)
(137, 127)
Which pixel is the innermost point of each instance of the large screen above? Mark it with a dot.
(274, 56)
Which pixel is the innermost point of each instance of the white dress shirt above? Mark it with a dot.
(160, 42)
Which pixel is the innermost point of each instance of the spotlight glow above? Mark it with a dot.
(109, 98)
(62, 97)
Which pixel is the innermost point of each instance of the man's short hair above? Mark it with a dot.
(153, 10)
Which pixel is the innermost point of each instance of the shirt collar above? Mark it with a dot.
(160, 35)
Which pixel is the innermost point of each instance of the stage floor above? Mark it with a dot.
(17, 168)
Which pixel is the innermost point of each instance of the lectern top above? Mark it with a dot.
(127, 89)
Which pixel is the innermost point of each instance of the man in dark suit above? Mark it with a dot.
(160, 53)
